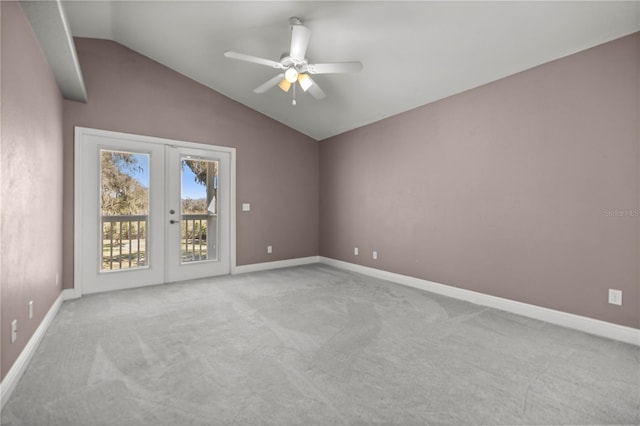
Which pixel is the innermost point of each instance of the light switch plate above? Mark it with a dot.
(246, 207)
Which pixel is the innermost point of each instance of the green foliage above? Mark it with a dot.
(194, 206)
(122, 194)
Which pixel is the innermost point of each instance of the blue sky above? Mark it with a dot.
(141, 176)
(190, 188)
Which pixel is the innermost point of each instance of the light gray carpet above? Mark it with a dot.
(314, 345)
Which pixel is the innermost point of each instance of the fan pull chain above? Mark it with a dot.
(293, 102)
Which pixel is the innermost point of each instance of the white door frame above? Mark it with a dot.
(80, 133)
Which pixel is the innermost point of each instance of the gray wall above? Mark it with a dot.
(31, 186)
(511, 189)
(277, 169)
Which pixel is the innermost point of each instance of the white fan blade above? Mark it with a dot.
(299, 41)
(269, 84)
(254, 59)
(315, 90)
(334, 68)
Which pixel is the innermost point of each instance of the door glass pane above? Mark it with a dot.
(124, 209)
(199, 210)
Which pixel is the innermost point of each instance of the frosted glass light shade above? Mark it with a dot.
(305, 81)
(284, 85)
(291, 75)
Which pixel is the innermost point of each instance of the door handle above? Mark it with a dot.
(173, 221)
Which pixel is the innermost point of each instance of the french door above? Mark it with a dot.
(149, 211)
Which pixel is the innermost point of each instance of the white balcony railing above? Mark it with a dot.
(124, 240)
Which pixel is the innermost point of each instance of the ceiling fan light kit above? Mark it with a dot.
(295, 66)
(291, 75)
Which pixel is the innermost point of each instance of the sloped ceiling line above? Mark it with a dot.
(50, 25)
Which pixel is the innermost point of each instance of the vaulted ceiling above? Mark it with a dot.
(413, 53)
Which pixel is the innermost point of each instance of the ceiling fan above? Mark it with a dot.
(295, 66)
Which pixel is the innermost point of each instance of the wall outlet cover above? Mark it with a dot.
(615, 297)
(14, 330)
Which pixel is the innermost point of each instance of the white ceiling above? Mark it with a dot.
(413, 53)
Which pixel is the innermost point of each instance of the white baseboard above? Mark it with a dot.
(255, 267)
(564, 319)
(12, 378)
(70, 294)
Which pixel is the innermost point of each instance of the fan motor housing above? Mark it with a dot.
(295, 21)
(288, 62)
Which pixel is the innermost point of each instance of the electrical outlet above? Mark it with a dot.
(14, 330)
(269, 249)
(615, 297)
(355, 251)
(30, 309)
(375, 255)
